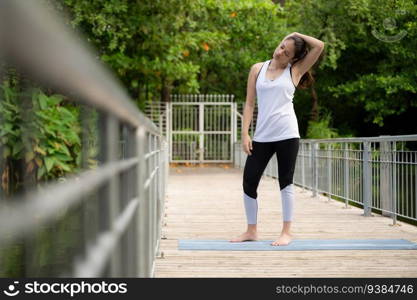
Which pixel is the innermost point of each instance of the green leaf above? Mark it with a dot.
(40, 173)
(49, 163)
(65, 150)
(62, 157)
(65, 113)
(39, 150)
(55, 99)
(29, 156)
(64, 166)
(17, 148)
(43, 101)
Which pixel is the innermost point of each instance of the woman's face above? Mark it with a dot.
(284, 53)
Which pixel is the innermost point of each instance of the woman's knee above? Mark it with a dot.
(283, 182)
(250, 188)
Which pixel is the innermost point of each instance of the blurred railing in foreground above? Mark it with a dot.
(118, 205)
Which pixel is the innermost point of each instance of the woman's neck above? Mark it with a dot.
(275, 65)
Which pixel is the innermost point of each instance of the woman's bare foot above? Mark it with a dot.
(283, 240)
(246, 236)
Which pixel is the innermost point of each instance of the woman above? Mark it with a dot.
(273, 83)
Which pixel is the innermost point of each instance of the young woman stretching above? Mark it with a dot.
(273, 83)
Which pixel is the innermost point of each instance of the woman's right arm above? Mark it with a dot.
(249, 107)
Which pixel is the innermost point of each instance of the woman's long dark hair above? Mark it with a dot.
(300, 51)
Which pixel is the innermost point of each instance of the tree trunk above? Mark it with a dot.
(314, 105)
(165, 91)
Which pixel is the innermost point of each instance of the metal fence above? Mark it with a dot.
(205, 121)
(377, 173)
(180, 123)
(119, 203)
(199, 128)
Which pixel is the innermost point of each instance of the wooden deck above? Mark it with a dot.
(206, 203)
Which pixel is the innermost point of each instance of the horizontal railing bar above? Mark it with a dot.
(198, 132)
(40, 207)
(360, 140)
(202, 161)
(198, 103)
(411, 137)
(238, 113)
(97, 255)
(149, 179)
(404, 138)
(147, 155)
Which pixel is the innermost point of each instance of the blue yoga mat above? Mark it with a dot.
(298, 245)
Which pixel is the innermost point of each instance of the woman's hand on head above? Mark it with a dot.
(291, 34)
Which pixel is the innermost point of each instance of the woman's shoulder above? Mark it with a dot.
(258, 64)
(256, 67)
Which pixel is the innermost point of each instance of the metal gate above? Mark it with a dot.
(201, 128)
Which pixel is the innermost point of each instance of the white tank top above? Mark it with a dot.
(276, 116)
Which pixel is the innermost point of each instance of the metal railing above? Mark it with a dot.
(120, 227)
(377, 173)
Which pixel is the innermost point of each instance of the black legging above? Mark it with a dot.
(286, 151)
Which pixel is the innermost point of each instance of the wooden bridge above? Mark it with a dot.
(206, 203)
(124, 216)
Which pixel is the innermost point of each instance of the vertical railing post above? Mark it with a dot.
(90, 232)
(235, 116)
(394, 182)
(134, 194)
(143, 216)
(314, 170)
(366, 179)
(156, 200)
(114, 185)
(169, 129)
(160, 121)
(109, 194)
(329, 170)
(160, 200)
(303, 183)
(150, 199)
(232, 136)
(346, 177)
(234, 120)
(201, 132)
(385, 178)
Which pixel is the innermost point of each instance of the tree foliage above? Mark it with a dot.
(208, 46)
(186, 46)
(371, 61)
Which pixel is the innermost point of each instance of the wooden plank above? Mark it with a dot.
(206, 203)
